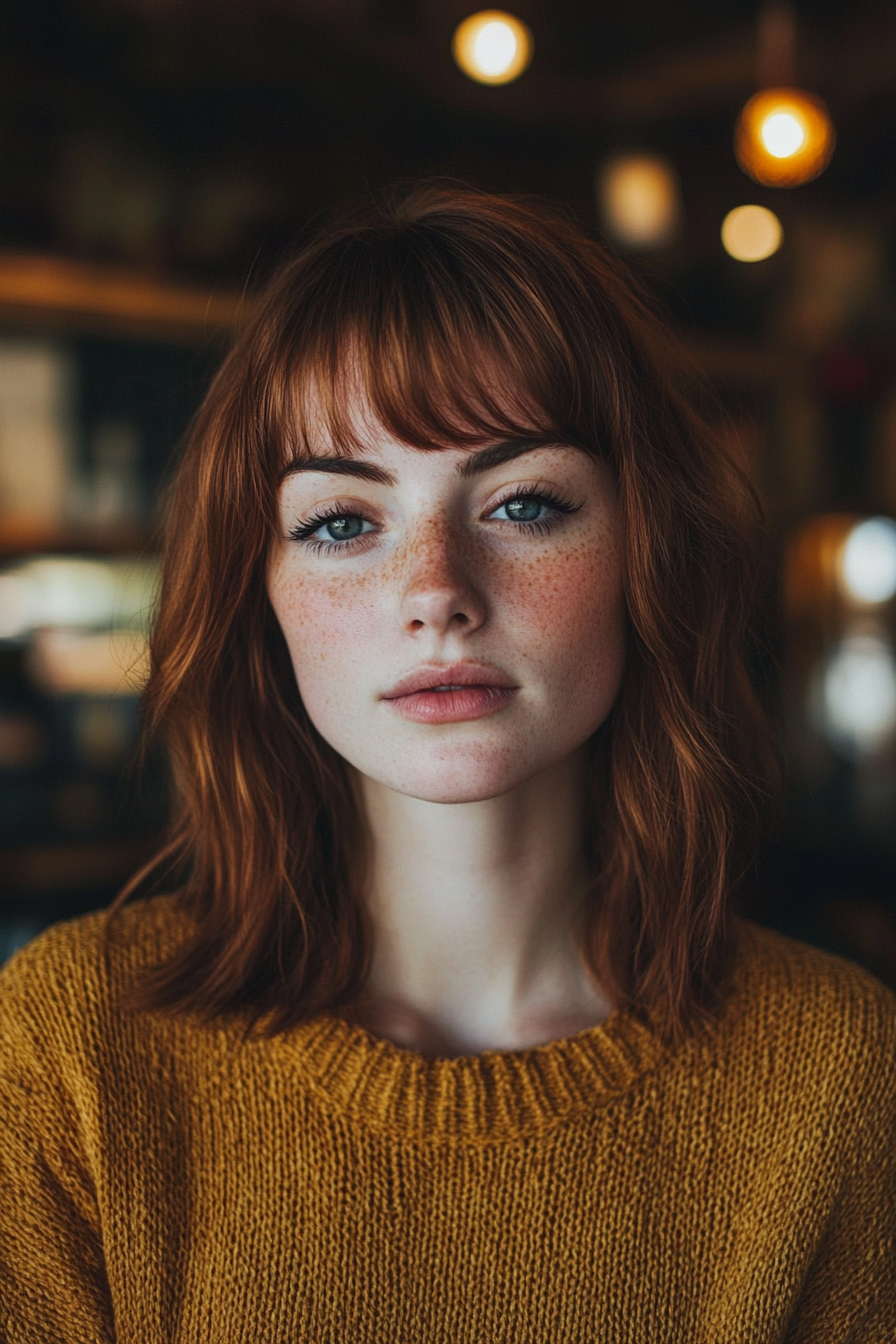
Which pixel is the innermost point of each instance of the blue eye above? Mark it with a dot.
(524, 509)
(535, 511)
(344, 528)
(332, 532)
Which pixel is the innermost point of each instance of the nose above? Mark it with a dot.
(440, 591)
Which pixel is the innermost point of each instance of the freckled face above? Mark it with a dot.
(506, 579)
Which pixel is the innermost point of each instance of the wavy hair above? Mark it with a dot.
(423, 302)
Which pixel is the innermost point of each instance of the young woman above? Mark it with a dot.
(448, 1031)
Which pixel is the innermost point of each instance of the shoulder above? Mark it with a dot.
(69, 977)
(816, 1020)
(791, 979)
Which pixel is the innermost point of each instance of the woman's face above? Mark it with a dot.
(455, 618)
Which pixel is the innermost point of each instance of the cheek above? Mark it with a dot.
(571, 603)
(327, 627)
(577, 637)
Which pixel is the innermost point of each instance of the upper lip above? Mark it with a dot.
(447, 674)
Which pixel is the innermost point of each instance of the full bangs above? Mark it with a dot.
(429, 340)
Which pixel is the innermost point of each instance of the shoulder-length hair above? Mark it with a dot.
(462, 318)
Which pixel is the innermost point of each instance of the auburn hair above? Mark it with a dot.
(462, 318)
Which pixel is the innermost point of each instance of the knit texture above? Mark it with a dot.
(162, 1182)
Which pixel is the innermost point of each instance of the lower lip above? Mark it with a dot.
(457, 706)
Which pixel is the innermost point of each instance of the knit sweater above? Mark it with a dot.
(166, 1182)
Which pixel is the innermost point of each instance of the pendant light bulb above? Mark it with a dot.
(784, 137)
(492, 47)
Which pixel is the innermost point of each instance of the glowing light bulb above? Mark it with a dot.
(784, 137)
(495, 48)
(868, 561)
(492, 47)
(751, 233)
(639, 200)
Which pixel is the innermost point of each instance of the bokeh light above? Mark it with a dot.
(492, 47)
(639, 200)
(857, 701)
(66, 591)
(868, 561)
(751, 233)
(784, 137)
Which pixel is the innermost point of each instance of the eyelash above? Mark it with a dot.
(304, 532)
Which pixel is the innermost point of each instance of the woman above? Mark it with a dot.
(449, 1031)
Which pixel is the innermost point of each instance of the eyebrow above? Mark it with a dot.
(477, 463)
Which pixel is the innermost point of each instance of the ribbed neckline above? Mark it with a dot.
(498, 1095)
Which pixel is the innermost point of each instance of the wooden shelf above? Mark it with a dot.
(55, 294)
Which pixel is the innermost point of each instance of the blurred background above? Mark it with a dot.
(158, 158)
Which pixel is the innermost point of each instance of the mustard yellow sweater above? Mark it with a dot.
(161, 1183)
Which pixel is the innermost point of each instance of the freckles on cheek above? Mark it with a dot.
(563, 597)
(325, 621)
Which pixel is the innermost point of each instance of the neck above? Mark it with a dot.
(477, 911)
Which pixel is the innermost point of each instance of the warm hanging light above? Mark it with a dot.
(751, 233)
(639, 200)
(492, 47)
(784, 136)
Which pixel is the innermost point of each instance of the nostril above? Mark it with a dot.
(440, 608)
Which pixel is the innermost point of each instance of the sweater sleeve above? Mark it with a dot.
(53, 1287)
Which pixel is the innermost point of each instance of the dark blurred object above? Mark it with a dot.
(25, 750)
(835, 896)
(68, 765)
(853, 382)
(866, 930)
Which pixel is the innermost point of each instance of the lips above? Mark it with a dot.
(447, 675)
(451, 693)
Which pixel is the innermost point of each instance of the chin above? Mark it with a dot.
(464, 780)
(454, 792)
